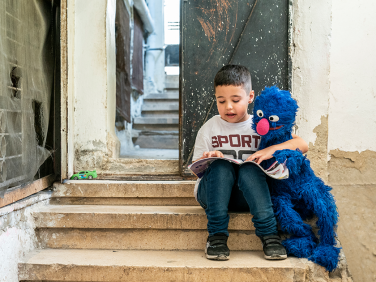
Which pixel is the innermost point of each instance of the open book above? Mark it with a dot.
(276, 170)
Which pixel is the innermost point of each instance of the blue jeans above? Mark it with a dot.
(230, 187)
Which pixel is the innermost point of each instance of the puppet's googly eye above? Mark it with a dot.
(274, 118)
(260, 113)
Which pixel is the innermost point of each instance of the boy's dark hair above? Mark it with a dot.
(235, 75)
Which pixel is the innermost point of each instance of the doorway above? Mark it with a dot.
(147, 120)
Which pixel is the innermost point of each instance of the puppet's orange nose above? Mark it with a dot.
(262, 127)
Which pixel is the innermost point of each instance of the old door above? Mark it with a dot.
(214, 33)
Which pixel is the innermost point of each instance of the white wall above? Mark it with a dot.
(310, 62)
(352, 118)
(91, 83)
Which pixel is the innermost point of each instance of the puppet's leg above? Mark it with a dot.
(303, 241)
(323, 205)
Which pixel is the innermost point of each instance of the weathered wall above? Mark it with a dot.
(91, 76)
(333, 73)
(311, 67)
(352, 133)
(17, 234)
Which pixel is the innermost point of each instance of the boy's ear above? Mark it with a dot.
(251, 96)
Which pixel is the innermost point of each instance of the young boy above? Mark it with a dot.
(229, 187)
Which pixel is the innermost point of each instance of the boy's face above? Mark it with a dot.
(232, 103)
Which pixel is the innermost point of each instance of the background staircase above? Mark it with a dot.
(158, 126)
(147, 231)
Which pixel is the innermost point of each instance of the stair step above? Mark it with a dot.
(142, 201)
(172, 91)
(166, 141)
(136, 227)
(105, 192)
(154, 154)
(131, 217)
(170, 95)
(172, 85)
(141, 265)
(160, 114)
(172, 78)
(140, 239)
(154, 107)
(124, 189)
(157, 121)
(138, 133)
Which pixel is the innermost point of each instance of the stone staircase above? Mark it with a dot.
(147, 231)
(158, 126)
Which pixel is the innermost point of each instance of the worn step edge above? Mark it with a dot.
(171, 96)
(149, 217)
(140, 239)
(128, 189)
(136, 201)
(136, 265)
(157, 120)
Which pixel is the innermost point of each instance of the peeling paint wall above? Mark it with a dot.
(17, 234)
(352, 131)
(311, 65)
(334, 68)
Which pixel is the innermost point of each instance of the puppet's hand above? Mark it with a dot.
(294, 159)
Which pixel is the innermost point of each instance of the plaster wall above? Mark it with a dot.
(352, 134)
(352, 76)
(17, 234)
(92, 80)
(310, 74)
(333, 73)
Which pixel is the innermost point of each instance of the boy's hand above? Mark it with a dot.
(262, 155)
(295, 143)
(212, 154)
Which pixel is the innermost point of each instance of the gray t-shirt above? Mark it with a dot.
(234, 140)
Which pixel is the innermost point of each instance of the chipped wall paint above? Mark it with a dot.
(352, 167)
(310, 64)
(318, 152)
(352, 134)
(333, 80)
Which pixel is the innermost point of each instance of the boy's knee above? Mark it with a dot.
(222, 167)
(250, 170)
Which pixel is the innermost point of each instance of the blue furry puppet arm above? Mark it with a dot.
(303, 194)
(294, 159)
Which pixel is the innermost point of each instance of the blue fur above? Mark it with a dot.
(303, 194)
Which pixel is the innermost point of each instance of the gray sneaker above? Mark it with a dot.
(273, 248)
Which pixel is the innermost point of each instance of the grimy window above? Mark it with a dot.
(27, 68)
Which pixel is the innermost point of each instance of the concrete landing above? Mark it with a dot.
(135, 265)
(152, 154)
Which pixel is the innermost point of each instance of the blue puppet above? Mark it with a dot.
(303, 194)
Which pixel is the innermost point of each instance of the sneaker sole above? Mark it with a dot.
(275, 257)
(217, 257)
